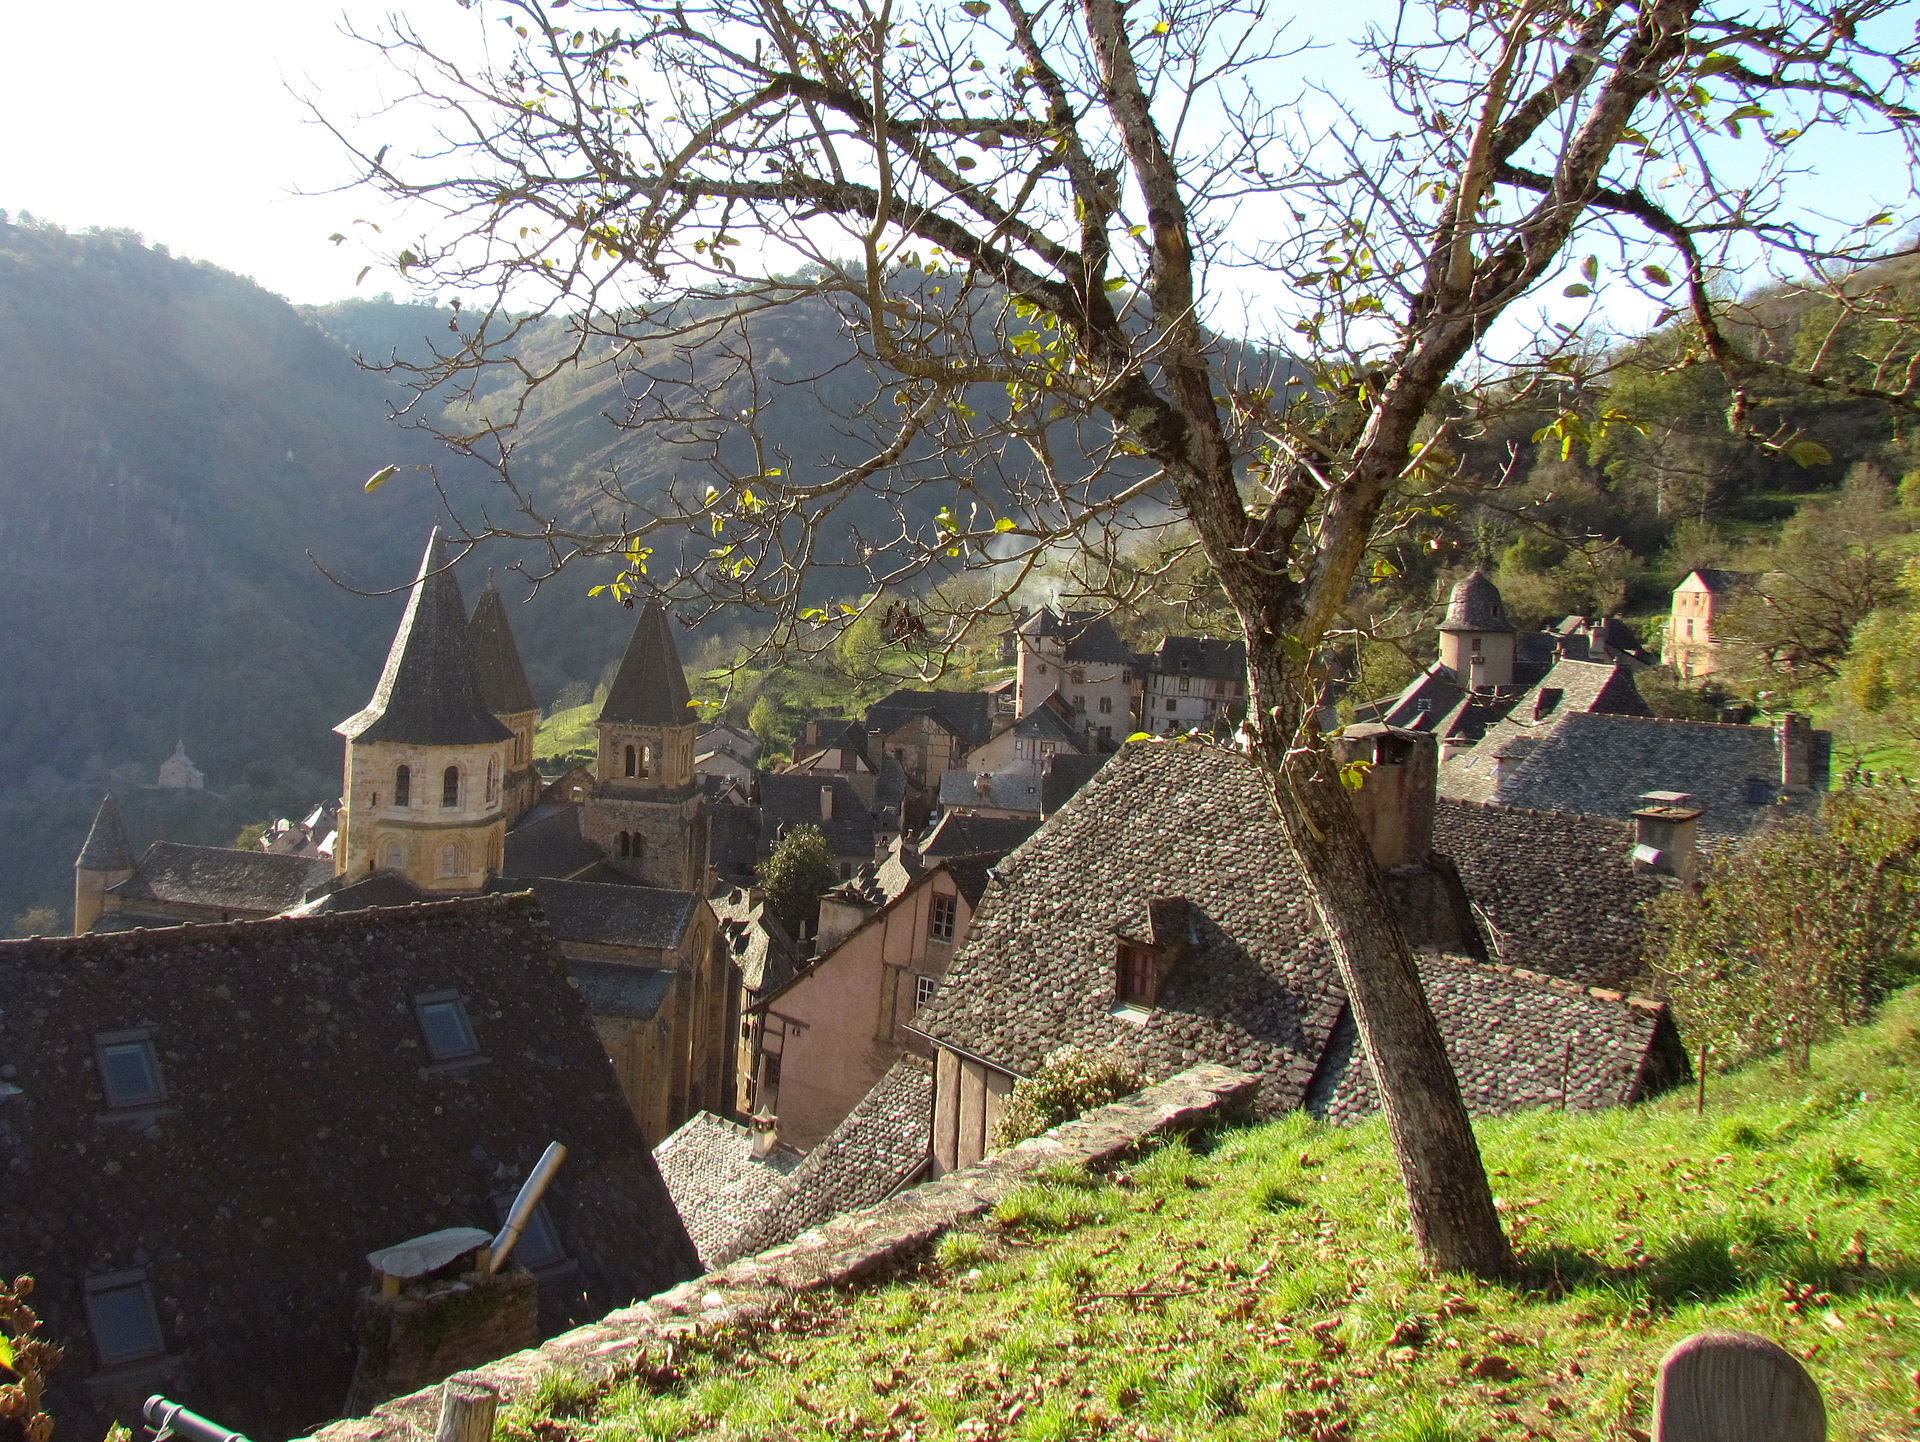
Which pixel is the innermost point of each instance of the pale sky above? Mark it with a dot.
(180, 123)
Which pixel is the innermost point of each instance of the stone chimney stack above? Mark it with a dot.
(766, 1135)
(1793, 735)
(826, 803)
(1395, 803)
(1665, 832)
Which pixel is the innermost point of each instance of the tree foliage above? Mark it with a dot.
(1797, 932)
(795, 876)
(1033, 222)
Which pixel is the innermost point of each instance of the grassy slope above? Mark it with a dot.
(1255, 1285)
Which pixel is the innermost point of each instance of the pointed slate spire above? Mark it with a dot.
(428, 695)
(496, 660)
(106, 848)
(649, 689)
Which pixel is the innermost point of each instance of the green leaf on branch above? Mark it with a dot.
(1656, 274)
(380, 477)
(1590, 268)
(1003, 525)
(1576, 291)
(1807, 454)
(975, 8)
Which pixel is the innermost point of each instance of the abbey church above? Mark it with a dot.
(440, 798)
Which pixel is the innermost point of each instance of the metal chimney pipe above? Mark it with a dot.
(523, 1205)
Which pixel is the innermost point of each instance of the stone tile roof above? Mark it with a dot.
(611, 989)
(1554, 893)
(1721, 582)
(496, 659)
(758, 943)
(603, 915)
(1089, 636)
(721, 1189)
(1256, 987)
(1475, 605)
(957, 835)
(303, 1126)
(106, 846)
(428, 694)
(968, 715)
(1200, 656)
(733, 839)
(1037, 969)
(1064, 775)
(971, 874)
(1531, 1041)
(547, 842)
(1049, 720)
(650, 688)
(219, 876)
(885, 1143)
(1004, 790)
(793, 799)
(1569, 688)
(1601, 765)
(380, 888)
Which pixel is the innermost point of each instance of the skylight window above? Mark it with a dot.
(129, 1070)
(121, 1317)
(539, 1245)
(444, 1024)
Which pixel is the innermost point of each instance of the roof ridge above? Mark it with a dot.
(419, 912)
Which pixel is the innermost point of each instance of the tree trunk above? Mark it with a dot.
(1455, 1225)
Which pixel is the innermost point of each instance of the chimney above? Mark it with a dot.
(826, 803)
(1665, 830)
(1793, 735)
(1395, 801)
(766, 1135)
(983, 786)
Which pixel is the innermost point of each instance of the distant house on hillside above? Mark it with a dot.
(177, 773)
(207, 1129)
(1079, 655)
(1689, 645)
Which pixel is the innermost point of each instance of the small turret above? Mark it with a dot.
(1476, 639)
(105, 860)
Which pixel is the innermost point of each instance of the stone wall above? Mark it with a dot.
(427, 1333)
(844, 1250)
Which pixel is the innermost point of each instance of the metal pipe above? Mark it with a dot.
(523, 1205)
(171, 1419)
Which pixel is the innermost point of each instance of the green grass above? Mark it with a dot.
(1259, 1284)
(566, 736)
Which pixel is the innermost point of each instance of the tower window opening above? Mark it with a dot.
(626, 844)
(402, 786)
(646, 760)
(633, 762)
(450, 787)
(493, 779)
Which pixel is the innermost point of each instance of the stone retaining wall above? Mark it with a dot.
(844, 1250)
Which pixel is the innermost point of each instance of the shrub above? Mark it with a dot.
(1071, 1081)
(1798, 932)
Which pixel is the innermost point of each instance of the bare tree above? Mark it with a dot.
(1032, 223)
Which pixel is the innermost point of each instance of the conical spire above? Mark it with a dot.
(649, 689)
(496, 660)
(106, 848)
(428, 695)
(1475, 605)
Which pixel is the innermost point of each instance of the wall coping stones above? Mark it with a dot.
(843, 1250)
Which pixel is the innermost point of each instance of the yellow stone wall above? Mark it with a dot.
(415, 839)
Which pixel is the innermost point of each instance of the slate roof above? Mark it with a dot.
(733, 840)
(1005, 790)
(754, 937)
(496, 659)
(650, 688)
(966, 714)
(1201, 656)
(1601, 765)
(1721, 582)
(1475, 605)
(106, 846)
(793, 799)
(1063, 775)
(219, 876)
(884, 1144)
(611, 989)
(304, 1126)
(721, 1189)
(379, 888)
(1089, 636)
(547, 842)
(1569, 688)
(1256, 987)
(603, 915)
(1553, 893)
(428, 694)
(1049, 720)
(957, 835)
(1535, 1041)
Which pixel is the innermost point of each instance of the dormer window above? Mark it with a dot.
(1138, 974)
(129, 1070)
(443, 1023)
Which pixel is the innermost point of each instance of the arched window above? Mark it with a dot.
(450, 787)
(402, 786)
(394, 856)
(452, 863)
(646, 761)
(639, 846)
(633, 762)
(493, 779)
(626, 845)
